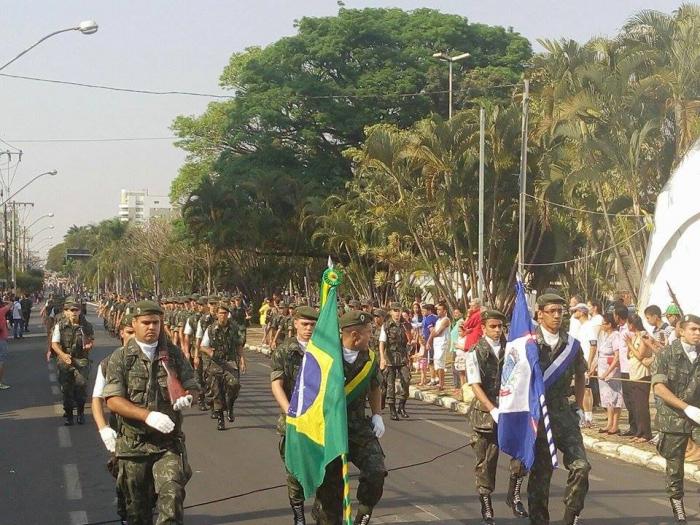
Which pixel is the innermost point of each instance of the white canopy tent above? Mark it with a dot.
(673, 254)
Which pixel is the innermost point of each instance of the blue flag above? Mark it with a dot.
(521, 397)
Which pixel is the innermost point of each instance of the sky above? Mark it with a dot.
(174, 45)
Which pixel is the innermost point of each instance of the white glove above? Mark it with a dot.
(109, 438)
(494, 414)
(161, 422)
(581, 415)
(378, 425)
(182, 402)
(693, 413)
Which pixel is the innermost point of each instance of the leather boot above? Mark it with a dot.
(571, 518)
(68, 417)
(230, 415)
(402, 409)
(678, 511)
(213, 414)
(392, 410)
(202, 405)
(220, 425)
(362, 519)
(81, 416)
(299, 518)
(513, 499)
(486, 510)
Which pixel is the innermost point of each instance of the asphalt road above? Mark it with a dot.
(55, 474)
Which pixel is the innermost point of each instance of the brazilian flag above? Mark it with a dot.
(317, 428)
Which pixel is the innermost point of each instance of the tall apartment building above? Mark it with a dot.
(139, 207)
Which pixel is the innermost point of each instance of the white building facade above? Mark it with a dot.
(139, 207)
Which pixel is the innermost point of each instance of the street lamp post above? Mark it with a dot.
(52, 173)
(86, 27)
(444, 57)
(50, 214)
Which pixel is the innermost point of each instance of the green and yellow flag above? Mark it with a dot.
(317, 428)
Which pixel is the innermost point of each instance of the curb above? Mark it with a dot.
(620, 451)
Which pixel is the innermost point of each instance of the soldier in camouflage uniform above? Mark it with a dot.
(150, 444)
(484, 367)
(240, 316)
(190, 341)
(364, 432)
(283, 324)
(394, 361)
(551, 341)
(72, 341)
(222, 343)
(201, 359)
(285, 365)
(675, 379)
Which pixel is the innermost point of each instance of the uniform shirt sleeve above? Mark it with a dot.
(277, 365)
(56, 336)
(382, 336)
(188, 328)
(659, 368)
(205, 339)
(115, 384)
(98, 390)
(187, 374)
(473, 372)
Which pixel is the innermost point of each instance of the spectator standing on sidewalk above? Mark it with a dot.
(641, 356)
(473, 328)
(609, 348)
(428, 323)
(439, 343)
(661, 330)
(621, 314)
(17, 319)
(587, 336)
(4, 308)
(26, 303)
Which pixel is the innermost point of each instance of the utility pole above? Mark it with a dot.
(482, 160)
(523, 181)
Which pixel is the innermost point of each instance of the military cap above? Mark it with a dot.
(202, 300)
(395, 306)
(147, 308)
(549, 298)
(224, 307)
(212, 299)
(305, 312)
(673, 309)
(690, 318)
(238, 297)
(364, 302)
(195, 296)
(71, 301)
(126, 320)
(354, 303)
(492, 314)
(354, 318)
(378, 312)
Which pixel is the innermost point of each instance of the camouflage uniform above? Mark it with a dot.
(396, 351)
(365, 453)
(567, 437)
(223, 374)
(485, 439)
(673, 369)
(149, 461)
(73, 378)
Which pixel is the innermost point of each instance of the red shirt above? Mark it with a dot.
(3, 323)
(473, 330)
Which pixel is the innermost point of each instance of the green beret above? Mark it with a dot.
(306, 312)
(224, 307)
(212, 299)
(395, 306)
(126, 320)
(492, 314)
(549, 298)
(690, 318)
(354, 303)
(354, 318)
(364, 302)
(378, 312)
(147, 308)
(71, 302)
(673, 309)
(202, 300)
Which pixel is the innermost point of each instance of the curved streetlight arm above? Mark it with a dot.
(42, 230)
(42, 217)
(37, 43)
(52, 173)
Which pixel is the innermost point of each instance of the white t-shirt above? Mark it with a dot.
(188, 328)
(56, 336)
(200, 332)
(574, 327)
(473, 372)
(586, 334)
(205, 339)
(382, 335)
(16, 310)
(100, 381)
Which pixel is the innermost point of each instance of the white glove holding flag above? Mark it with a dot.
(693, 413)
(183, 402)
(581, 416)
(378, 425)
(109, 438)
(494, 414)
(161, 422)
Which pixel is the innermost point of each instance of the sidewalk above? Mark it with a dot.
(617, 447)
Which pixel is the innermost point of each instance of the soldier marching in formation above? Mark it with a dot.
(394, 361)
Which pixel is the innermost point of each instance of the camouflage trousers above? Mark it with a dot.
(164, 475)
(567, 438)
(485, 445)
(368, 457)
(294, 489)
(73, 380)
(224, 384)
(391, 374)
(672, 448)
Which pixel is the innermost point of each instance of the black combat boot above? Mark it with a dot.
(213, 414)
(402, 409)
(230, 415)
(513, 499)
(571, 518)
(678, 511)
(220, 425)
(392, 410)
(299, 518)
(68, 417)
(202, 404)
(486, 510)
(81, 416)
(362, 519)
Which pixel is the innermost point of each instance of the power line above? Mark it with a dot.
(591, 254)
(584, 211)
(117, 139)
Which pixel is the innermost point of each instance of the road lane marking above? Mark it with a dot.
(593, 477)
(447, 427)
(72, 479)
(426, 511)
(52, 377)
(55, 390)
(263, 364)
(64, 437)
(78, 517)
(58, 409)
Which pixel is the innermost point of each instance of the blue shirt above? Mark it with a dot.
(429, 322)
